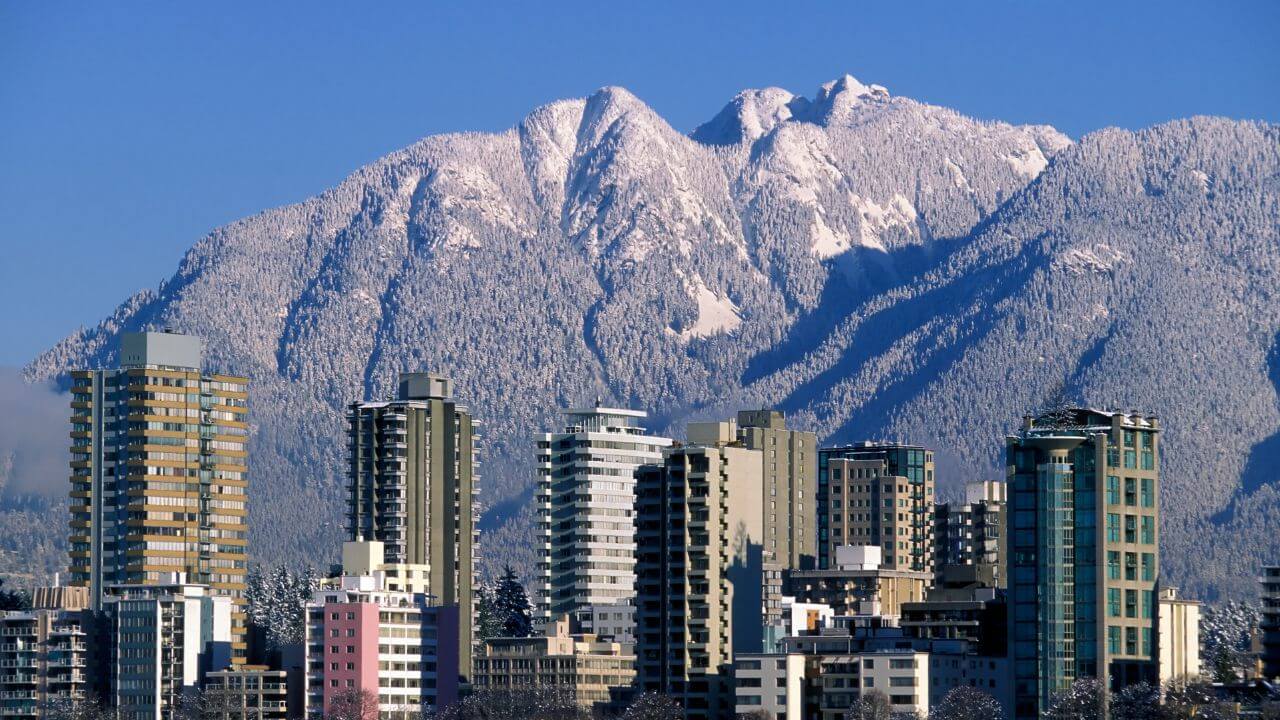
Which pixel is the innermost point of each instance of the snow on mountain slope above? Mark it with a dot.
(878, 266)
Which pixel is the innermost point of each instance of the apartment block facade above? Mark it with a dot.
(597, 673)
(165, 639)
(1084, 551)
(877, 494)
(586, 505)
(973, 533)
(397, 646)
(413, 485)
(47, 654)
(699, 574)
(246, 693)
(159, 472)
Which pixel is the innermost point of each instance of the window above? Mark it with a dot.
(1131, 641)
(1113, 602)
(1113, 490)
(1113, 527)
(1148, 493)
(1130, 566)
(1131, 459)
(1146, 641)
(1113, 640)
(1148, 566)
(1130, 528)
(1146, 603)
(1131, 603)
(1148, 530)
(1128, 438)
(1113, 565)
(1148, 460)
(1130, 492)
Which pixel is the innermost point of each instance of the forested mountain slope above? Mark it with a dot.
(876, 266)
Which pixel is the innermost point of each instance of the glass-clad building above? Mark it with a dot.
(1084, 548)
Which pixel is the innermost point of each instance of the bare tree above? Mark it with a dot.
(545, 703)
(870, 705)
(967, 703)
(353, 704)
(653, 706)
(1086, 699)
(86, 708)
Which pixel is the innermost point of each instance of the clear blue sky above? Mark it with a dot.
(128, 130)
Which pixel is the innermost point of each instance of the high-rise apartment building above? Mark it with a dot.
(700, 574)
(877, 494)
(973, 533)
(1083, 548)
(790, 468)
(159, 472)
(586, 505)
(413, 486)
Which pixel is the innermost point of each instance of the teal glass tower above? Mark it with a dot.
(1084, 550)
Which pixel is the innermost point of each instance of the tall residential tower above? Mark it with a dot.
(413, 487)
(586, 501)
(1083, 511)
(158, 473)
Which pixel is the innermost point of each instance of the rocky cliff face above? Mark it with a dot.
(875, 266)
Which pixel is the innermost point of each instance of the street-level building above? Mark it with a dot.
(159, 473)
(597, 673)
(46, 653)
(165, 639)
(1270, 621)
(1084, 548)
(1179, 637)
(413, 486)
(247, 692)
(855, 583)
(770, 683)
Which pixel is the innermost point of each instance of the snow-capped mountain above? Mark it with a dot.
(875, 266)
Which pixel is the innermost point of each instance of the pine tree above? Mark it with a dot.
(488, 624)
(13, 599)
(511, 605)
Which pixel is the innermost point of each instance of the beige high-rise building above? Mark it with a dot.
(877, 494)
(159, 473)
(788, 467)
(1178, 636)
(700, 573)
(413, 486)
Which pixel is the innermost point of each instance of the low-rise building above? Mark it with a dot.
(610, 622)
(45, 653)
(772, 683)
(246, 693)
(396, 645)
(1178, 636)
(597, 673)
(165, 638)
(963, 607)
(858, 584)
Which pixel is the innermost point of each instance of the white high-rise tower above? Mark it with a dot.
(586, 500)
